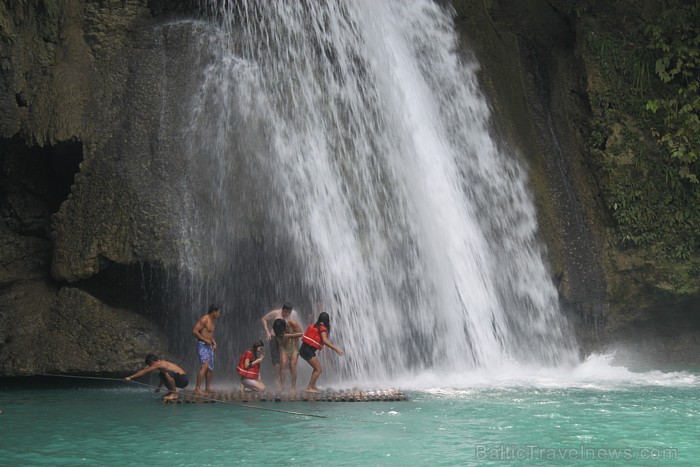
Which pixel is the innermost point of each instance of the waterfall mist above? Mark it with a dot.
(340, 158)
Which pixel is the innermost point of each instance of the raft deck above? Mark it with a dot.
(328, 395)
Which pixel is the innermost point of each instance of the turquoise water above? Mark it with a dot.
(650, 417)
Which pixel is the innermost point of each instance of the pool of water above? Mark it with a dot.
(632, 417)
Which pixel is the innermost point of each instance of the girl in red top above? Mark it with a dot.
(315, 337)
(249, 367)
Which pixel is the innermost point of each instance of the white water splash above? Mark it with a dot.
(597, 372)
(371, 141)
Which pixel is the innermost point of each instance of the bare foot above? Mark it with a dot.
(170, 397)
(310, 390)
(198, 392)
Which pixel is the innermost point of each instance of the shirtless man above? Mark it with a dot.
(171, 375)
(206, 345)
(284, 313)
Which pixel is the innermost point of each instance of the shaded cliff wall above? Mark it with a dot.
(85, 108)
(542, 75)
(653, 292)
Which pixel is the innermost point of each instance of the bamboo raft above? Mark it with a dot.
(328, 395)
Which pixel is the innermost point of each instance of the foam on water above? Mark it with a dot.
(598, 372)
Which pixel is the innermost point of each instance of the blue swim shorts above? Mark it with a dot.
(206, 354)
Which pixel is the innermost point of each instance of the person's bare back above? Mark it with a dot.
(169, 366)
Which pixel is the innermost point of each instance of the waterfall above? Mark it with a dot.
(350, 144)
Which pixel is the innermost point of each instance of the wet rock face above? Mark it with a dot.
(86, 335)
(80, 115)
(527, 54)
(538, 76)
(45, 330)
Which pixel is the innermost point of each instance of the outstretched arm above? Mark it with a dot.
(324, 338)
(139, 373)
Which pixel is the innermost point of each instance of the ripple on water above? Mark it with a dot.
(127, 427)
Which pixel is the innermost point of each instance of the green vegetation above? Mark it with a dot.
(644, 82)
(677, 43)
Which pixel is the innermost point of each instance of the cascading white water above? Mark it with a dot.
(364, 142)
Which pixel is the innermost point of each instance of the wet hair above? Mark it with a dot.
(254, 348)
(324, 319)
(213, 308)
(151, 358)
(287, 307)
(279, 327)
